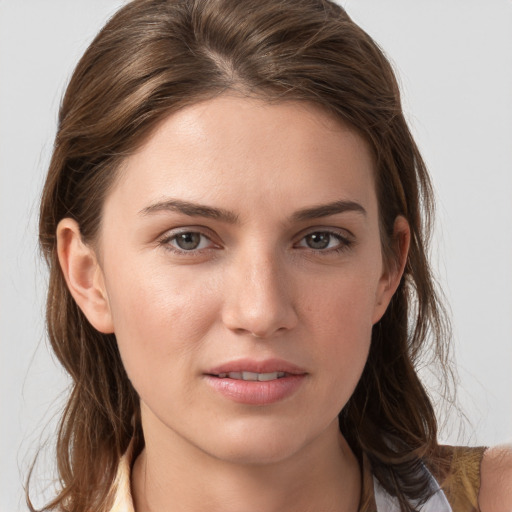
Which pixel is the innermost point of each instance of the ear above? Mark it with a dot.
(393, 270)
(83, 275)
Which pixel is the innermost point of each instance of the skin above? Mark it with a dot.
(253, 288)
(496, 487)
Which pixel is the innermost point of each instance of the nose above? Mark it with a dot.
(258, 297)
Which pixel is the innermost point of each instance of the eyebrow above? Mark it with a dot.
(191, 209)
(199, 210)
(325, 210)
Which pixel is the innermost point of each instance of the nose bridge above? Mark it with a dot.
(258, 294)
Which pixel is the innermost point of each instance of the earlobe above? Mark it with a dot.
(83, 275)
(394, 270)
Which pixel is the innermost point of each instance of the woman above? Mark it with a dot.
(235, 219)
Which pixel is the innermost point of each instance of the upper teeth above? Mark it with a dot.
(252, 375)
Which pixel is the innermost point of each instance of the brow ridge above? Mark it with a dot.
(199, 210)
(325, 210)
(191, 209)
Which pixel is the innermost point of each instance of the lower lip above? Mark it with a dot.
(256, 392)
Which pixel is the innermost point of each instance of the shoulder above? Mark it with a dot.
(496, 480)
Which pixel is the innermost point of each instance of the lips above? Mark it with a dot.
(259, 367)
(253, 376)
(256, 382)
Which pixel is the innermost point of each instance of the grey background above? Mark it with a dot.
(454, 59)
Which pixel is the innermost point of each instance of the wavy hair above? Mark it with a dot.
(155, 57)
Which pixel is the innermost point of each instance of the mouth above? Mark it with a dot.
(256, 382)
(252, 370)
(252, 376)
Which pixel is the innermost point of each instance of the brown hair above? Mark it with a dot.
(157, 56)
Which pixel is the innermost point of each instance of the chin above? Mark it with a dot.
(260, 444)
(256, 454)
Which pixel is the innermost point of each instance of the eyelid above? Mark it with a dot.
(170, 234)
(345, 237)
(340, 232)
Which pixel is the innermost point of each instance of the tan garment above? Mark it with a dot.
(459, 479)
(462, 484)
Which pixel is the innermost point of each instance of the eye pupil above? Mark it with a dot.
(188, 241)
(318, 240)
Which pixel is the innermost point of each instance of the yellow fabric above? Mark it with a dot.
(120, 492)
(462, 483)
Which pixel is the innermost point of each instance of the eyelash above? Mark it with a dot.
(168, 238)
(344, 243)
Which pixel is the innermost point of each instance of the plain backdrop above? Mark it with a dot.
(454, 60)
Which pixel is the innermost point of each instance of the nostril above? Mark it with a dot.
(260, 308)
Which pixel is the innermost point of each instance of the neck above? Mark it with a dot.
(324, 475)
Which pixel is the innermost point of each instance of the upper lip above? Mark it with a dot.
(251, 365)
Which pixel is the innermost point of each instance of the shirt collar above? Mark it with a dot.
(374, 497)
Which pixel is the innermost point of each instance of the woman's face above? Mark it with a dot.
(244, 237)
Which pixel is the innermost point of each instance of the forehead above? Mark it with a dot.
(268, 153)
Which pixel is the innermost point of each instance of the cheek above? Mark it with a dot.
(341, 317)
(160, 320)
(343, 307)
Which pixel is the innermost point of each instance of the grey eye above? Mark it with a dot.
(320, 240)
(188, 241)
